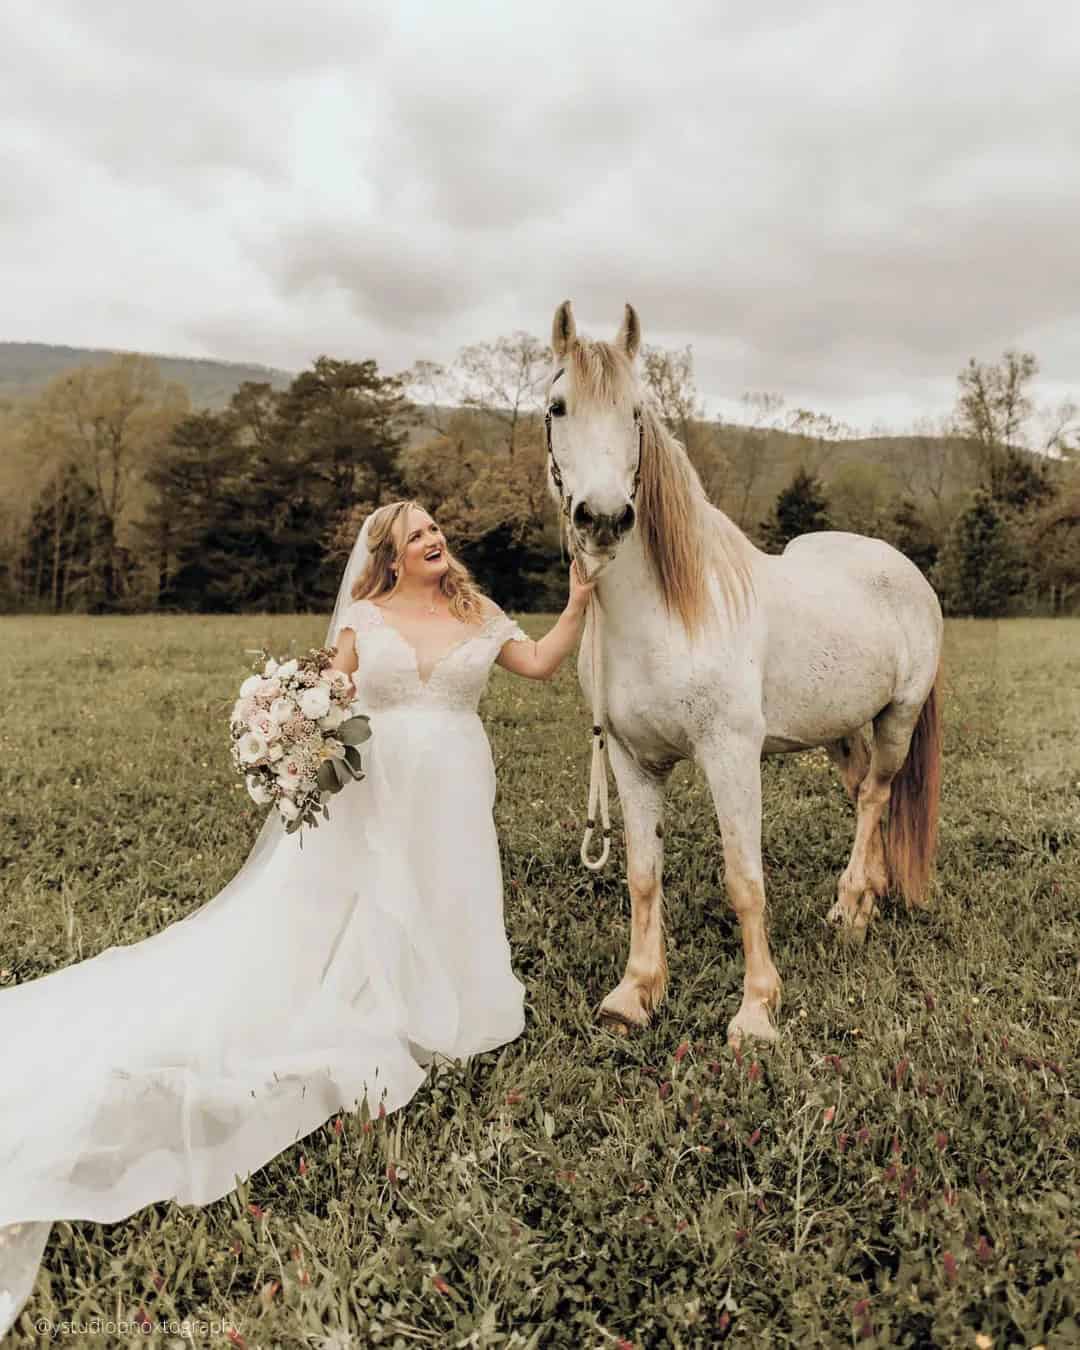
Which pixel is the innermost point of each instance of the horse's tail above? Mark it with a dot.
(911, 838)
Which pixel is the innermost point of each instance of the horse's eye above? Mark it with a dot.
(558, 408)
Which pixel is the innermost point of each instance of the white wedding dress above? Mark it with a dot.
(319, 976)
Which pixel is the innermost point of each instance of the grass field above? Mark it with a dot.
(902, 1169)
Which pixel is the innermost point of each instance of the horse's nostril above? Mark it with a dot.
(583, 517)
(626, 520)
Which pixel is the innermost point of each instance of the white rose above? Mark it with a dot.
(288, 808)
(288, 670)
(269, 690)
(265, 725)
(282, 709)
(276, 751)
(239, 714)
(250, 686)
(315, 703)
(289, 774)
(251, 747)
(333, 718)
(258, 791)
(270, 668)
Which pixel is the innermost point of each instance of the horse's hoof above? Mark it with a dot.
(851, 924)
(623, 1011)
(618, 1026)
(752, 1019)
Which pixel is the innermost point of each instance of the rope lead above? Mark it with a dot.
(598, 778)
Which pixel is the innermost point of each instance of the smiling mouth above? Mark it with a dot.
(433, 555)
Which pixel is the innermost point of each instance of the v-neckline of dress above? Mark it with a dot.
(384, 622)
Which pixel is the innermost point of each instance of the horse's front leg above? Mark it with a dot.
(733, 768)
(644, 982)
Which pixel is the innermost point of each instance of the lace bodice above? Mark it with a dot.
(388, 674)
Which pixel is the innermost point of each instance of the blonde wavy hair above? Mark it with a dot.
(386, 544)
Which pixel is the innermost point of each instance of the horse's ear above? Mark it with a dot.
(629, 336)
(563, 330)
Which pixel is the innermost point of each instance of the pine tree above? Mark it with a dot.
(801, 508)
(909, 532)
(980, 567)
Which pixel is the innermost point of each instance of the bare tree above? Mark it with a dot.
(504, 379)
(1060, 430)
(669, 377)
(993, 407)
(108, 421)
(816, 435)
(748, 453)
(435, 392)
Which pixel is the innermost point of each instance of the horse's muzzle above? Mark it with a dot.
(603, 530)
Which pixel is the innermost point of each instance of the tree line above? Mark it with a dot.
(118, 496)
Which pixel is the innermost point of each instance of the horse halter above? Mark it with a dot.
(556, 472)
(598, 780)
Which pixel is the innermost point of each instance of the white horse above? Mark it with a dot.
(713, 651)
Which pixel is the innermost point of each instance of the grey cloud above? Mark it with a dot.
(840, 203)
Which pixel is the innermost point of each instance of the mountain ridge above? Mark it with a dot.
(27, 367)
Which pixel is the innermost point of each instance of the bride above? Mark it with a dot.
(318, 978)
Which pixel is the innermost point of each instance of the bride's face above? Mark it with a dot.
(423, 557)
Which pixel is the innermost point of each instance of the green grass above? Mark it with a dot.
(576, 1189)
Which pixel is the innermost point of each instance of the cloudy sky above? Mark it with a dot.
(837, 202)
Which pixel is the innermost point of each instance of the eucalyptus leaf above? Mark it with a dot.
(326, 777)
(355, 731)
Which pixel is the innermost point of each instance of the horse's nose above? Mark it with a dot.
(607, 527)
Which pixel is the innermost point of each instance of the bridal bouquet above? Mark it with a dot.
(295, 732)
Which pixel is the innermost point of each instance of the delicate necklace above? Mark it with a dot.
(430, 608)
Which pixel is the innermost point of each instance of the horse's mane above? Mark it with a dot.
(686, 538)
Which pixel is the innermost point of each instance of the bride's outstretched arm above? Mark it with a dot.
(540, 660)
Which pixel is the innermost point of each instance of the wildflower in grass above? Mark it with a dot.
(948, 1262)
(441, 1287)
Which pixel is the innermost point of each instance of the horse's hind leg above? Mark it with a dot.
(644, 982)
(868, 772)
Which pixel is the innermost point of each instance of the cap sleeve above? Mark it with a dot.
(503, 629)
(360, 616)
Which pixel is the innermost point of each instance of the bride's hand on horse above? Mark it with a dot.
(580, 591)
